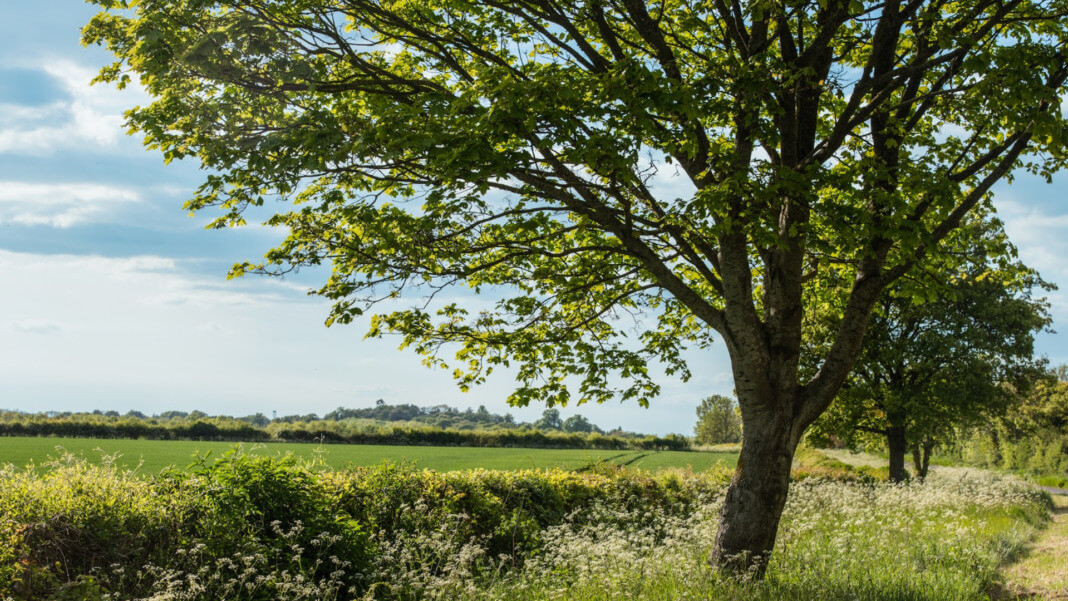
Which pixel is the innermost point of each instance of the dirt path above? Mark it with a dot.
(854, 459)
(1042, 573)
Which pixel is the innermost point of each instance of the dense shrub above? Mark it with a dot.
(250, 527)
(78, 524)
(1040, 452)
(242, 504)
(259, 528)
(75, 519)
(506, 511)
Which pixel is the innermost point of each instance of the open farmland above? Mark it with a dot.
(155, 455)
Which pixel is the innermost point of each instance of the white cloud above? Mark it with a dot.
(203, 295)
(34, 326)
(15, 113)
(91, 116)
(142, 263)
(1036, 224)
(146, 333)
(1038, 234)
(59, 205)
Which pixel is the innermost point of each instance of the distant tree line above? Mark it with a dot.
(439, 425)
(1025, 432)
(441, 416)
(1031, 437)
(719, 421)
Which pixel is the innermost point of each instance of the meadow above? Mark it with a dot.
(152, 456)
(262, 528)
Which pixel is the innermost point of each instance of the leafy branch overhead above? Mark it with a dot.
(604, 168)
(522, 146)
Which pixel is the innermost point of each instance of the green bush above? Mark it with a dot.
(77, 527)
(1053, 481)
(1035, 452)
(506, 511)
(74, 519)
(242, 504)
(251, 528)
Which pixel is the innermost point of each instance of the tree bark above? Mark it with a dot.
(917, 460)
(749, 520)
(921, 459)
(895, 440)
(927, 448)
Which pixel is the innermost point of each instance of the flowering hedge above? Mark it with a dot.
(247, 527)
(259, 528)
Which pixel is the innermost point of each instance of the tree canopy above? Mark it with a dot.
(550, 420)
(718, 421)
(519, 148)
(960, 354)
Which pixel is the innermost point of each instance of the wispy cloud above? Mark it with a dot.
(89, 116)
(202, 295)
(60, 287)
(59, 205)
(1039, 235)
(34, 326)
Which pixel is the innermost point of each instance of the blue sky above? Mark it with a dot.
(111, 297)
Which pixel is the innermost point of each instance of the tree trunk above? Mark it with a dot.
(921, 458)
(749, 520)
(898, 446)
(917, 461)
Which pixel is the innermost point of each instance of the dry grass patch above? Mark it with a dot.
(1043, 572)
(855, 459)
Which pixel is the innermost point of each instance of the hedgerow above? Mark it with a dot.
(351, 431)
(74, 526)
(256, 528)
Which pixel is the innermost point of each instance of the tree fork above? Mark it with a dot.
(921, 458)
(450, 103)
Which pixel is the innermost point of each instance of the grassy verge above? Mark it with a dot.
(1042, 573)
(838, 541)
(1053, 481)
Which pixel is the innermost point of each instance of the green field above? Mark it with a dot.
(154, 455)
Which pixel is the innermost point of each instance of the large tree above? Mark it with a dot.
(944, 353)
(517, 147)
(718, 421)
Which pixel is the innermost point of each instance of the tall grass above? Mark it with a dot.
(943, 540)
(257, 528)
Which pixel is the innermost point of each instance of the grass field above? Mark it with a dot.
(154, 455)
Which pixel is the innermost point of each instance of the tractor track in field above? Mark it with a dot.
(590, 466)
